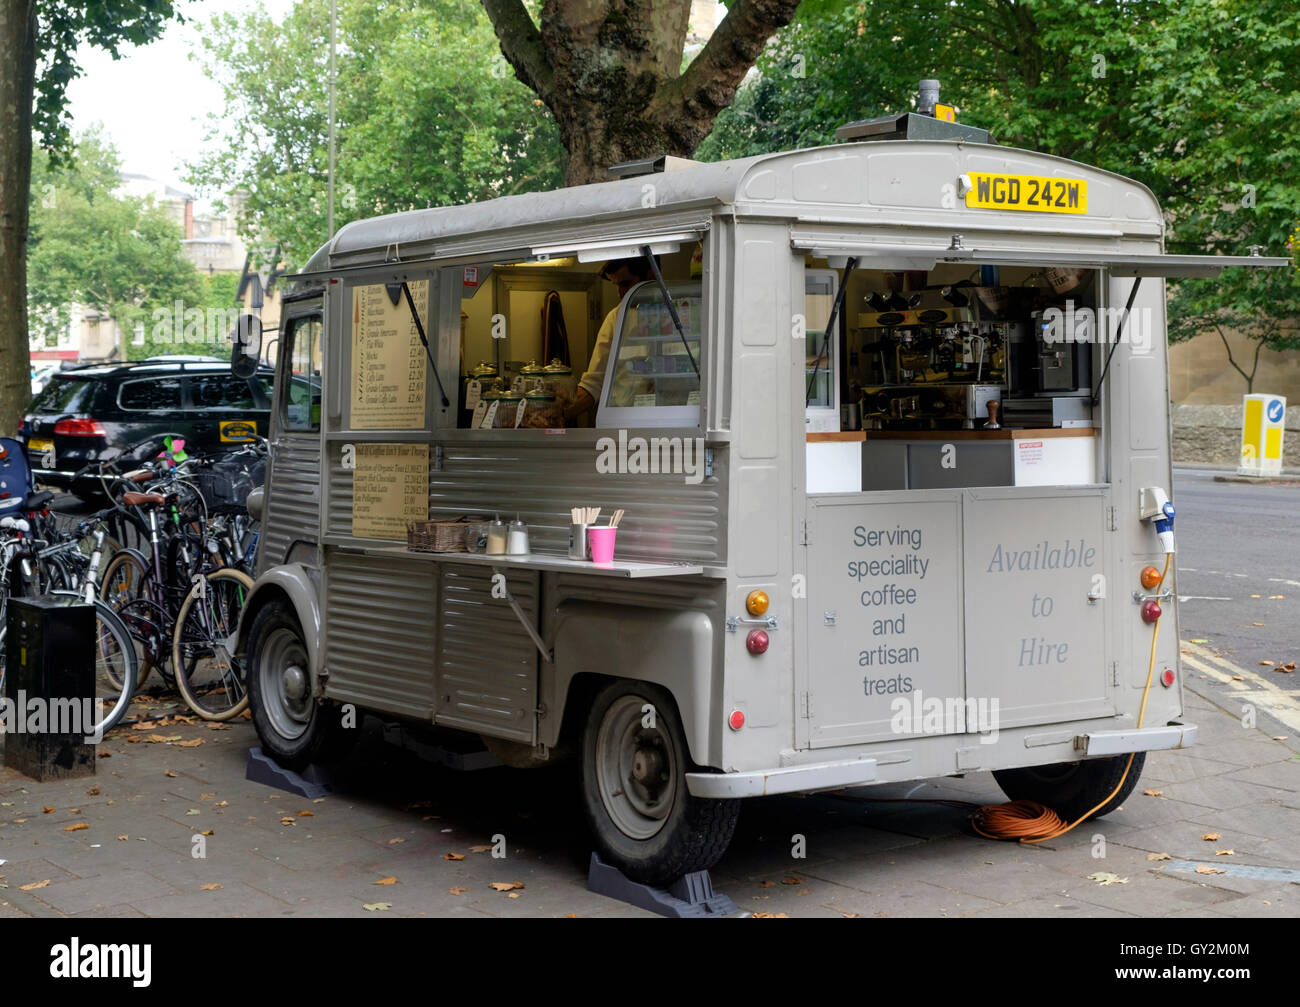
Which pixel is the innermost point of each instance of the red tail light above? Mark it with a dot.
(80, 428)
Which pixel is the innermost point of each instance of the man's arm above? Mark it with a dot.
(580, 404)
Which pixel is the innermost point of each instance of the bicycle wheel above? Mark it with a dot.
(122, 583)
(115, 666)
(208, 671)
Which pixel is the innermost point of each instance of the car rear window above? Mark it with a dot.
(152, 393)
(218, 391)
(65, 395)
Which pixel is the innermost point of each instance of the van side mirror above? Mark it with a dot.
(246, 349)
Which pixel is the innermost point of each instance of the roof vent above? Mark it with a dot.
(650, 166)
(930, 121)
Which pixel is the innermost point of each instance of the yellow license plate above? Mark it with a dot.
(40, 444)
(1035, 193)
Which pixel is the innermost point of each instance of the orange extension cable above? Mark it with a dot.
(1031, 822)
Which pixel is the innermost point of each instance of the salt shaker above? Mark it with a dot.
(518, 542)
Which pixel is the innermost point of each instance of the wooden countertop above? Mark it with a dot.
(1003, 434)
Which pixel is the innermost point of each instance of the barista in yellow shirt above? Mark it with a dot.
(624, 274)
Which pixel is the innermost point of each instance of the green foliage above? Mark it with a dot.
(65, 25)
(119, 255)
(427, 112)
(1198, 99)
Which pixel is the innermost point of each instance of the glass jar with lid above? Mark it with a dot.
(542, 410)
(530, 377)
(508, 409)
(558, 379)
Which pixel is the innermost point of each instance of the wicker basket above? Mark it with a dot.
(436, 536)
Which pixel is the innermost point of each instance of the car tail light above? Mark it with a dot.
(80, 428)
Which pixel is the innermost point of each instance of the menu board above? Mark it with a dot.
(388, 359)
(390, 486)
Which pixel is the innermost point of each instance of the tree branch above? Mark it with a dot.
(521, 44)
(709, 83)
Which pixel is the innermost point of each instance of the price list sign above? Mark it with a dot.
(390, 486)
(388, 360)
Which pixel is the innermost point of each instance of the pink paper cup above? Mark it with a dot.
(602, 545)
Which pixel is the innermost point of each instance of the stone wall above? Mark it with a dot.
(1212, 434)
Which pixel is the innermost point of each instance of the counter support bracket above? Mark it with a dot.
(522, 616)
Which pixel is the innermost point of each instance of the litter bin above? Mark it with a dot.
(49, 688)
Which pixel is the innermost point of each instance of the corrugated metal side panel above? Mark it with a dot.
(667, 518)
(487, 663)
(379, 653)
(294, 500)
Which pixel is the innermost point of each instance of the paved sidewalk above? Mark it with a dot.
(154, 804)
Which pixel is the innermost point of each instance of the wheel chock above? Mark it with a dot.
(689, 897)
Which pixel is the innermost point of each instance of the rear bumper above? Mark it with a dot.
(855, 772)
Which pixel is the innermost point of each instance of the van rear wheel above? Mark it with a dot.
(1072, 788)
(294, 727)
(634, 761)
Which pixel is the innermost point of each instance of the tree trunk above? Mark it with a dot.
(18, 44)
(610, 72)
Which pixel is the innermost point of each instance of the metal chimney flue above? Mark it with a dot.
(927, 97)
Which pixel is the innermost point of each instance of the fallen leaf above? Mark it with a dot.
(770, 916)
(479, 849)
(1266, 664)
(1159, 856)
(1287, 668)
(804, 891)
(1153, 793)
(132, 740)
(1257, 596)
(192, 811)
(168, 772)
(306, 814)
(207, 832)
(1225, 853)
(1238, 678)
(394, 842)
(76, 827)
(211, 888)
(47, 809)
(505, 886)
(144, 725)
(514, 895)
(1198, 641)
(453, 856)
(192, 743)
(375, 907)
(213, 726)
(123, 837)
(767, 884)
(792, 881)
(163, 739)
(33, 886)
(19, 821)
(286, 820)
(1210, 837)
(457, 890)
(1106, 878)
(247, 715)
(1259, 624)
(222, 804)
(1207, 869)
(385, 881)
(92, 792)
(846, 915)
(204, 797)
(1276, 597)
(1280, 737)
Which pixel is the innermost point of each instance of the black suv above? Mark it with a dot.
(89, 414)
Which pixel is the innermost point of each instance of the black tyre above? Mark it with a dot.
(295, 729)
(1072, 788)
(208, 670)
(121, 584)
(634, 765)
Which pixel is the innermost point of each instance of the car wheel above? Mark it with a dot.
(1071, 789)
(294, 727)
(634, 765)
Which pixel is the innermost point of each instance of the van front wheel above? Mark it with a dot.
(1071, 789)
(634, 765)
(294, 728)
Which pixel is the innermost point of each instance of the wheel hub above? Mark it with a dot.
(295, 682)
(647, 766)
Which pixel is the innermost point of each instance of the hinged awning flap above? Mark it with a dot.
(618, 248)
(896, 256)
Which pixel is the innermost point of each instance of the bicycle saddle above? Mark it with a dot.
(139, 499)
(37, 501)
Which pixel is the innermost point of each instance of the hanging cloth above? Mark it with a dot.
(555, 337)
